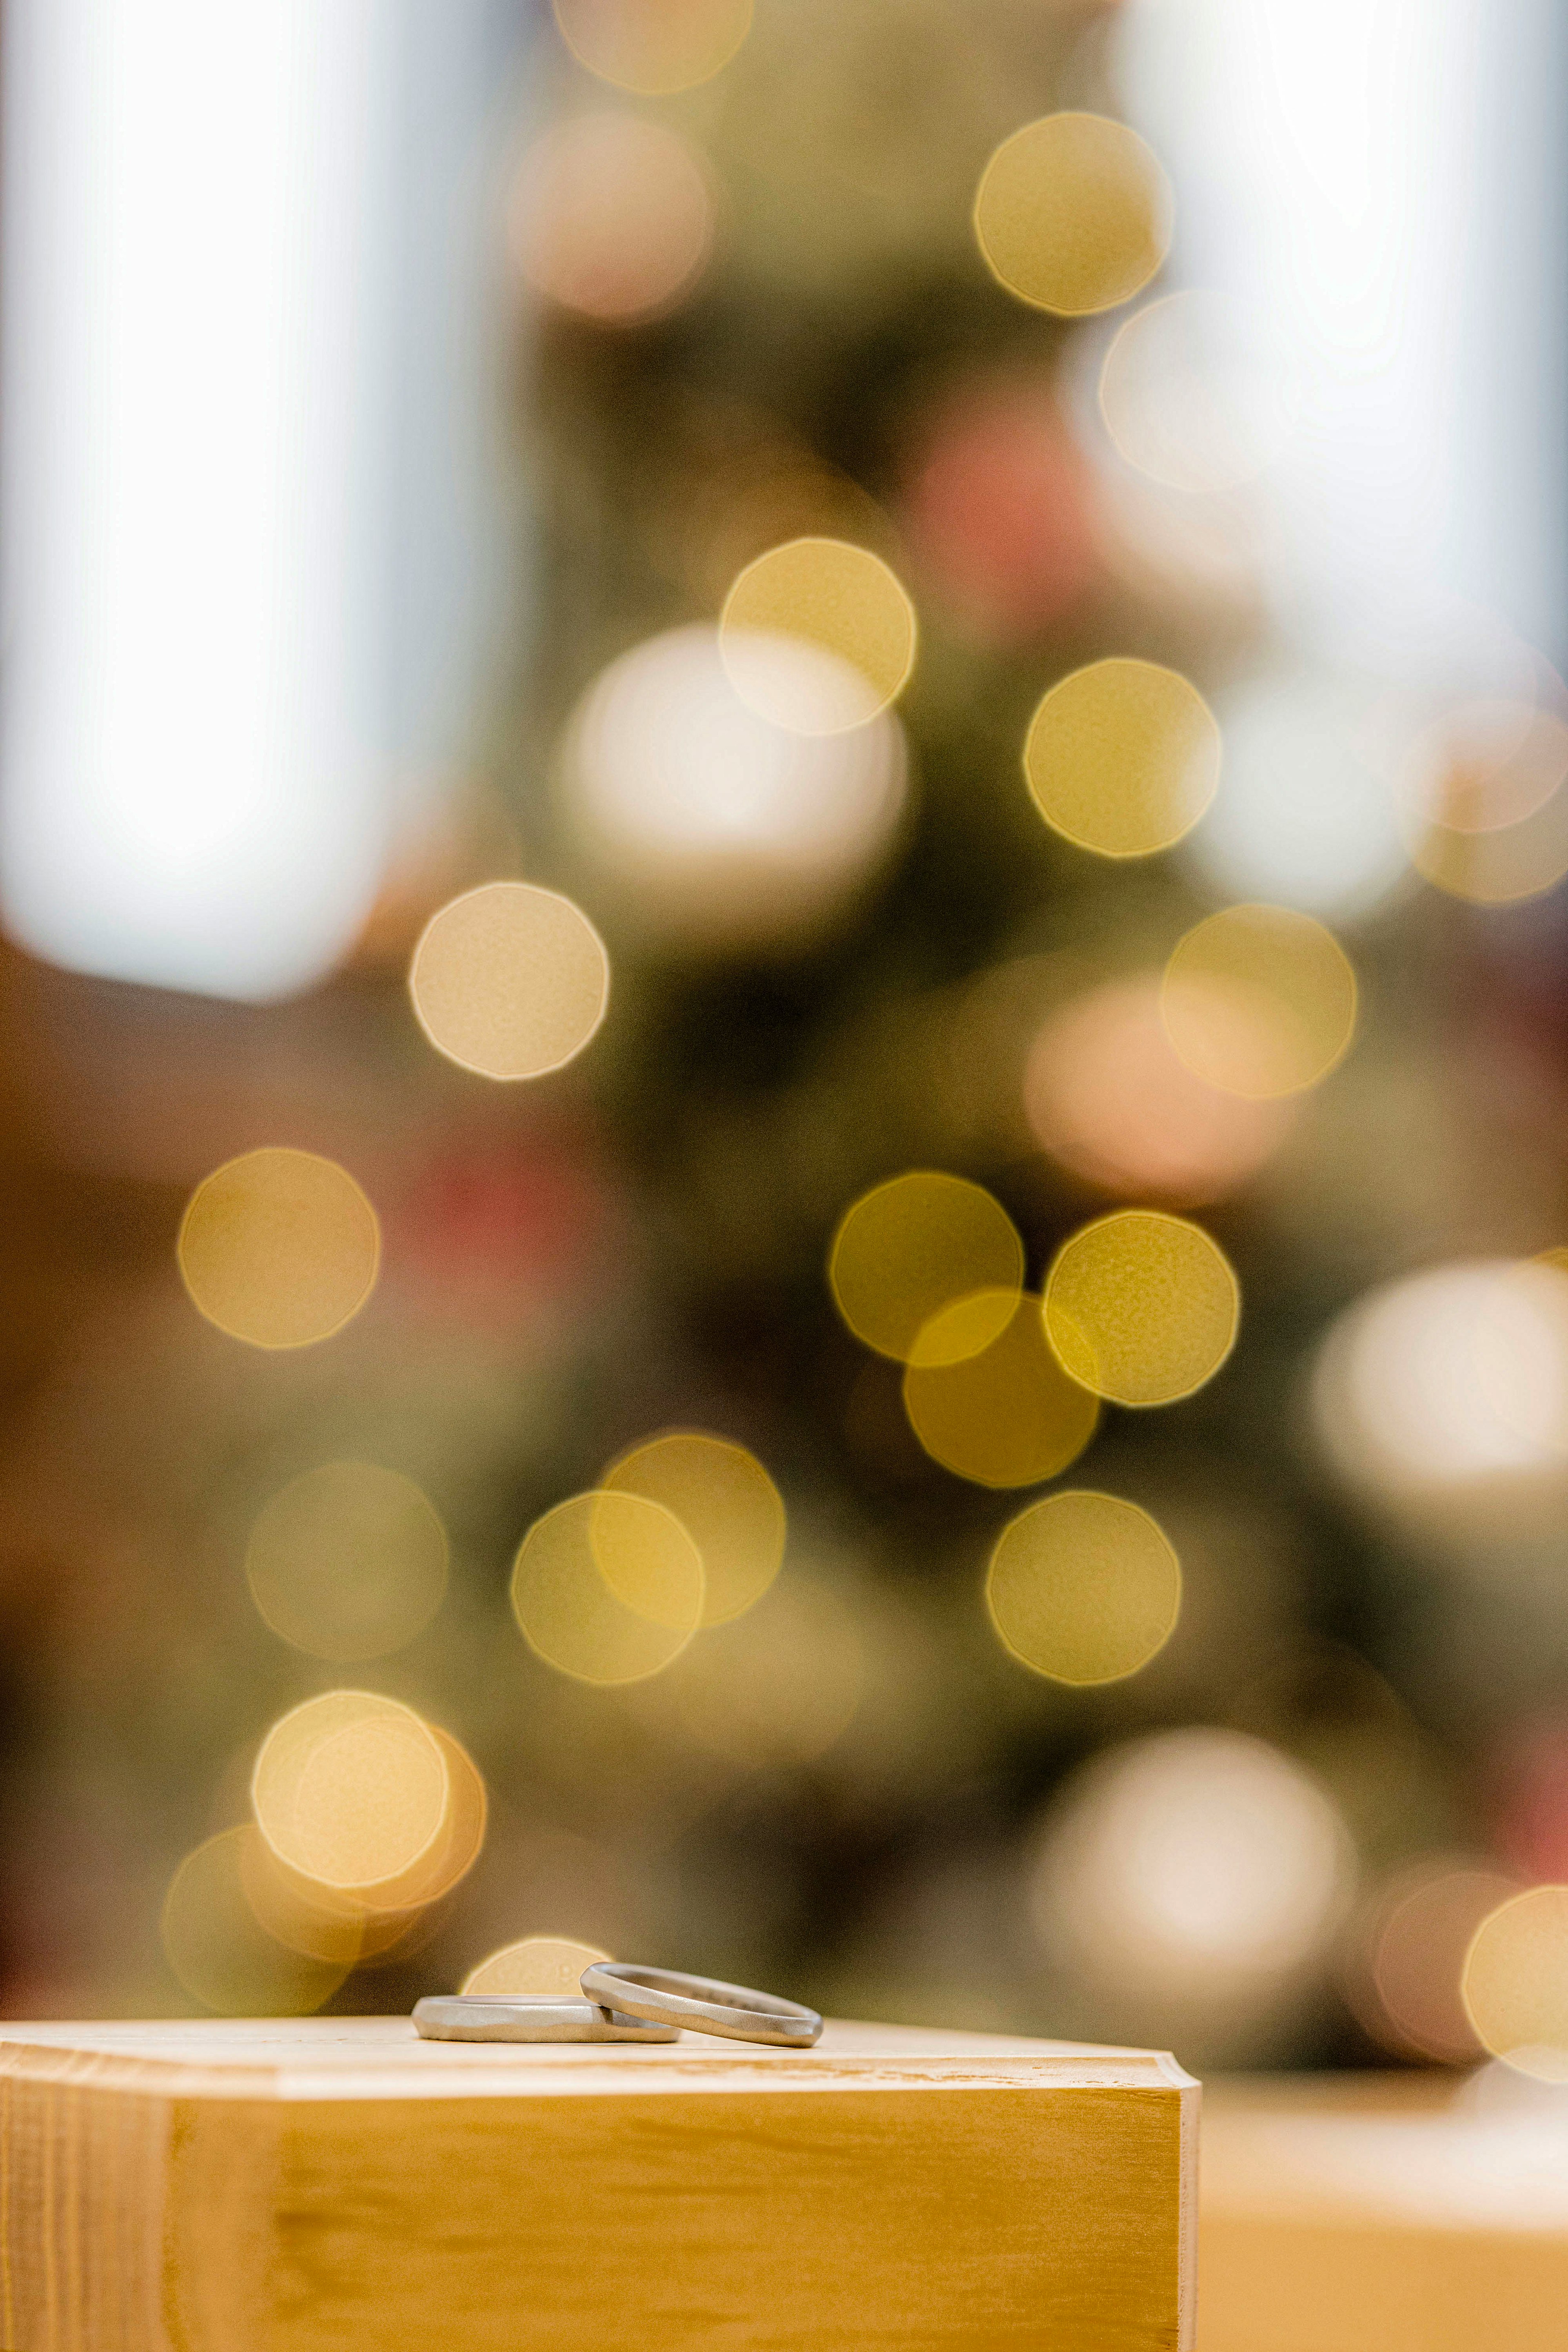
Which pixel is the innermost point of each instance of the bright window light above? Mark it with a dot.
(201, 717)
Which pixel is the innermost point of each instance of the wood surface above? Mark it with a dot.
(331, 2185)
(1384, 2214)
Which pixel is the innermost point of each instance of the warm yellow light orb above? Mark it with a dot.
(220, 1951)
(992, 1404)
(280, 1248)
(1073, 214)
(1122, 758)
(509, 980)
(841, 599)
(347, 1561)
(1084, 1588)
(913, 1245)
(1515, 1983)
(1260, 1002)
(608, 1587)
(546, 1968)
(353, 1790)
(654, 46)
(726, 1502)
(1140, 1308)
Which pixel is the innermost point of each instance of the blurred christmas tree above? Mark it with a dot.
(753, 312)
(809, 1006)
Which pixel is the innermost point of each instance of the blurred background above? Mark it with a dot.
(404, 407)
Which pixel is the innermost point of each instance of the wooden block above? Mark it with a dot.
(333, 2184)
(1382, 2213)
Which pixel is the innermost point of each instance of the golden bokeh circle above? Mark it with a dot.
(1122, 757)
(1084, 1588)
(1515, 1983)
(607, 1587)
(509, 980)
(1486, 766)
(1500, 867)
(220, 1951)
(354, 1790)
(310, 1919)
(1073, 214)
(835, 596)
(911, 1247)
(347, 1561)
(1142, 1307)
(433, 1874)
(994, 1406)
(280, 1248)
(1260, 1002)
(536, 1968)
(726, 1502)
(654, 46)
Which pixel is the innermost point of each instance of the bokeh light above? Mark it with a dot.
(1403, 1974)
(1197, 1879)
(219, 1950)
(1142, 1307)
(837, 597)
(509, 980)
(1484, 766)
(608, 1588)
(1073, 214)
(353, 1790)
(1122, 758)
(1261, 1000)
(611, 215)
(912, 1246)
(453, 1853)
(1451, 1382)
(1186, 401)
(280, 1248)
(726, 1502)
(1500, 867)
(536, 1968)
(310, 1919)
(1305, 818)
(987, 1398)
(1107, 1095)
(654, 46)
(1084, 1588)
(1515, 1983)
(776, 1688)
(347, 1561)
(715, 828)
(357, 1927)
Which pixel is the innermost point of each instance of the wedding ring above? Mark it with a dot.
(669, 1997)
(477, 2017)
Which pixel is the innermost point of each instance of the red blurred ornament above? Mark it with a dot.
(999, 509)
(495, 1229)
(1533, 1804)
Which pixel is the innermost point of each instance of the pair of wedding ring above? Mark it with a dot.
(622, 2001)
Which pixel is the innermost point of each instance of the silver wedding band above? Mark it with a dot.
(479, 2016)
(669, 1997)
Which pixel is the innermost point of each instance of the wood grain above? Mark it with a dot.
(315, 2185)
(1384, 2214)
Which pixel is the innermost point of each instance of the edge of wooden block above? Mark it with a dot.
(381, 2058)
